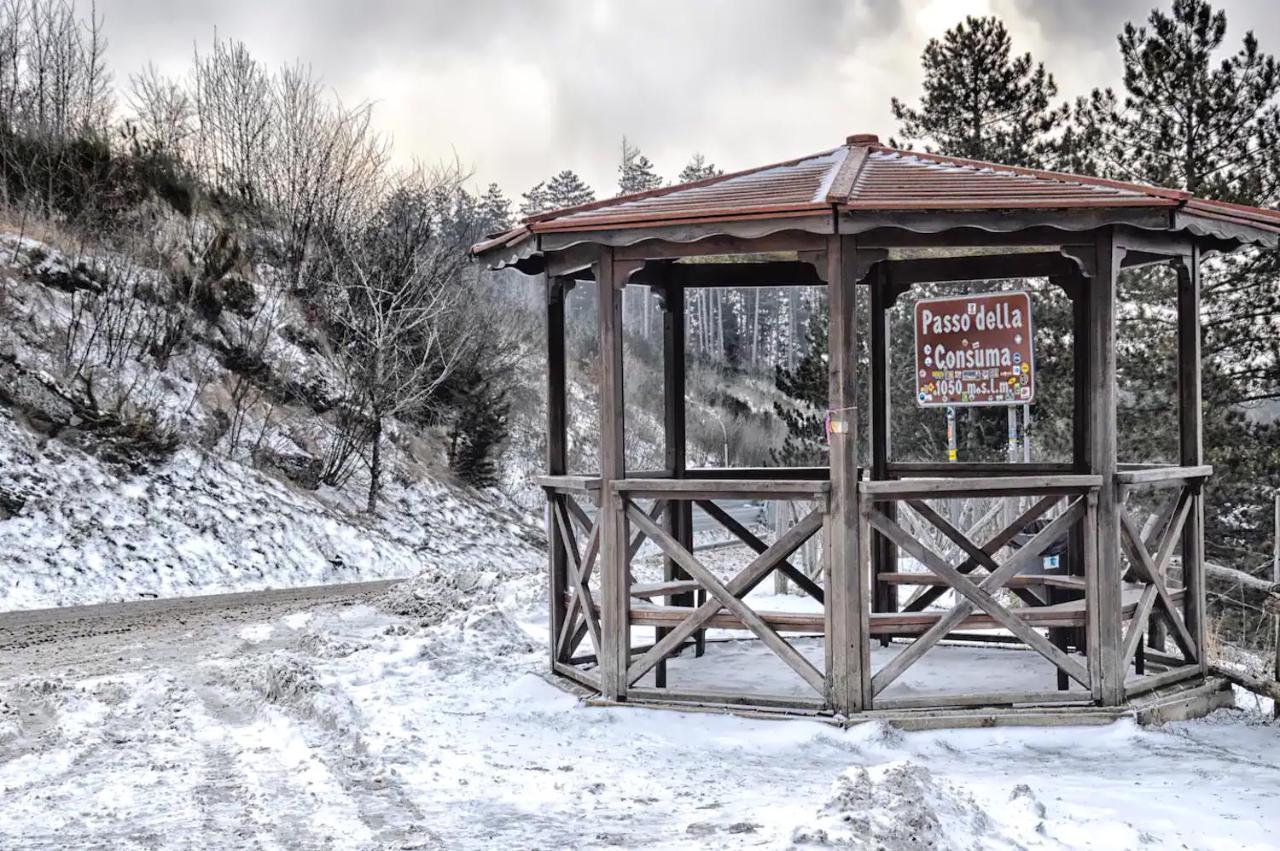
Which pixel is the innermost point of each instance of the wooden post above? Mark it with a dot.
(1102, 448)
(1081, 545)
(1191, 445)
(848, 657)
(557, 289)
(615, 652)
(884, 555)
(679, 514)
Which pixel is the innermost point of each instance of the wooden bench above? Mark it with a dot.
(1068, 614)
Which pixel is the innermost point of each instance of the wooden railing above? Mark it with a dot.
(716, 595)
(1149, 548)
(976, 597)
(574, 615)
(1046, 507)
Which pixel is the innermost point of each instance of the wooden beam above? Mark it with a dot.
(741, 585)
(997, 542)
(1191, 448)
(557, 452)
(1102, 392)
(982, 486)
(773, 273)
(974, 469)
(679, 514)
(817, 474)
(657, 249)
(848, 649)
(884, 556)
(983, 267)
(695, 489)
(745, 535)
(614, 627)
(978, 596)
(953, 618)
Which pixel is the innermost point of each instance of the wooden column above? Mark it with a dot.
(884, 555)
(1077, 285)
(1102, 460)
(1191, 446)
(848, 649)
(679, 515)
(557, 289)
(614, 611)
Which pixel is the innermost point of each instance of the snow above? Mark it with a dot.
(199, 524)
(416, 722)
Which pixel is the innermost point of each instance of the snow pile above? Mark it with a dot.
(903, 805)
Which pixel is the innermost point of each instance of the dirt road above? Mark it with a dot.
(100, 638)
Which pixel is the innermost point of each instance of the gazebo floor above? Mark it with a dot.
(743, 676)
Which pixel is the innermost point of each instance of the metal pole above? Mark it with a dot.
(1026, 434)
(951, 433)
(1275, 579)
(1012, 446)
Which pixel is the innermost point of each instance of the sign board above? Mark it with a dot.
(975, 350)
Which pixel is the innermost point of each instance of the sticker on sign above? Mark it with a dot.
(975, 350)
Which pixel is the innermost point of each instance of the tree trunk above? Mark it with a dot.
(375, 464)
(755, 329)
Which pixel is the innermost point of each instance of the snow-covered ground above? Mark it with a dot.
(199, 524)
(422, 721)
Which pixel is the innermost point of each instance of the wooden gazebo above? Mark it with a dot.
(1121, 633)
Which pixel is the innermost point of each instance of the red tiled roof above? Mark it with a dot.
(865, 175)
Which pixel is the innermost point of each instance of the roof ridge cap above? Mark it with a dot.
(847, 176)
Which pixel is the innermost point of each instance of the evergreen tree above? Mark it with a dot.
(1192, 119)
(699, 169)
(979, 100)
(566, 189)
(635, 172)
(478, 433)
(808, 385)
(494, 210)
(1188, 119)
(536, 200)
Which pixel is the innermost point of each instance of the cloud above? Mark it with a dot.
(519, 90)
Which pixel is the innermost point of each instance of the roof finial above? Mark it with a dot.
(862, 140)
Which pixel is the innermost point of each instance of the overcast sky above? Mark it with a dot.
(519, 90)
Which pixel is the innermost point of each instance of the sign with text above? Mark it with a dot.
(975, 350)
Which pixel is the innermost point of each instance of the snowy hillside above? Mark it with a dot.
(137, 479)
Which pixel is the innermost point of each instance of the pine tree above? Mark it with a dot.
(635, 172)
(566, 189)
(699, 169)
(979, 101)
(478, 433)
(1190, 118)
(536, 200)
(494, 210)
(809, 388)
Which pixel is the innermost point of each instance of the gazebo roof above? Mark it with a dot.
(863, 176)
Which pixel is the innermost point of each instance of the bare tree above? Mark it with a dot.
(325, 166)
(163, 110)
(232, 102)
(393, 289)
